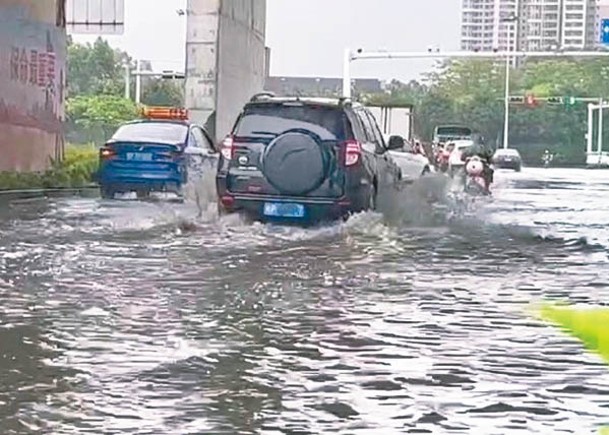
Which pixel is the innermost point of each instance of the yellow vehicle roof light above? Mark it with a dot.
(170, 113)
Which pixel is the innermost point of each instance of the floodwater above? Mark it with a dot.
(123, 317)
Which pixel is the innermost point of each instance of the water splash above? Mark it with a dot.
(201, 191)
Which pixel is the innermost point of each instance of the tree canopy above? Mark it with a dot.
(471, 92)
(96, 88)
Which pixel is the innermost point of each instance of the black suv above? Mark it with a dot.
(303, 159)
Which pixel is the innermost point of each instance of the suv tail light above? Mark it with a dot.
(227, 147)
(353, 153)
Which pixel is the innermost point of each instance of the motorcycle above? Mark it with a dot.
(475, 183)
(547, 159)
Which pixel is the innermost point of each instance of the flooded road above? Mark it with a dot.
(143, 318)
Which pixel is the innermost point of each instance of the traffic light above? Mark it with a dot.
(172, 75)
(570, 101)
(555, 100)
(530, 100)
(516, 100)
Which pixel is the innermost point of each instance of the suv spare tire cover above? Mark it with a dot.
(294, 163)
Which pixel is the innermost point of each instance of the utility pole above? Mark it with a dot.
(511, 20)
(138, 82)
(590, 133)
(347, 74)
(600, 127)
(127, 81)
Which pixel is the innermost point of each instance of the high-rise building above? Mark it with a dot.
(479, 25)
(601, 13)
(541, 25)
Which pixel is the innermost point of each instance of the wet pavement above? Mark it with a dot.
(123, 317)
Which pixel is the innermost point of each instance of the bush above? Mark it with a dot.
(78, 169)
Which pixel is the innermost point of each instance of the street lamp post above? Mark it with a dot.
(138, 73)
(138, 82)
(506, 121)
(127, 81)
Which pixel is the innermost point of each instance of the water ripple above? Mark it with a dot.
(149, 318)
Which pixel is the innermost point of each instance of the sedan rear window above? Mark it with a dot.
(272, 120)
(163, 132)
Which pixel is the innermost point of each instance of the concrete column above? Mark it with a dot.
(225, 59)
(202, 25)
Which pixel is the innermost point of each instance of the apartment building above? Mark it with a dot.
(601, 12)
(542, 24)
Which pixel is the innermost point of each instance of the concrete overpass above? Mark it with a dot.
(226, 63)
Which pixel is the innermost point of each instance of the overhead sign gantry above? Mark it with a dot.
(102, 17)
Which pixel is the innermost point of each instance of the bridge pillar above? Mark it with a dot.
(32, 83)
(225, 59)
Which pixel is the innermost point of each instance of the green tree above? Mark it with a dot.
(399, 94)
(95, 69)
(94, 118)
(471, 92)
(160, 92)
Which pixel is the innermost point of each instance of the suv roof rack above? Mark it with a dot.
(262, 95)
(345, 101)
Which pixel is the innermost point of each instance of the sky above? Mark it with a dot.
(308, 37)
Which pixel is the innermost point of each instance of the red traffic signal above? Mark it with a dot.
(530, 100)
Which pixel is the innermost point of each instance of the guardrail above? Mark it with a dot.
(24, 194)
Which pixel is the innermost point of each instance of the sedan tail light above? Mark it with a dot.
(106, 153)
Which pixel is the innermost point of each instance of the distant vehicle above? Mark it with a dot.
(155, 154)
(397, 121)
(394, 120)
(450, 133)
(455, 161)
(302, 160)
(507, 158)
(413, 164)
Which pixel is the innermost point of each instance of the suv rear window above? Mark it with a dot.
(328, 123)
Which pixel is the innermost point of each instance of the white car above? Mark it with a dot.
(413, 165)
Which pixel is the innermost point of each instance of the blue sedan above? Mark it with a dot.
(155, 154)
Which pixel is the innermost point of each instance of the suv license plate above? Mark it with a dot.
(282, 209)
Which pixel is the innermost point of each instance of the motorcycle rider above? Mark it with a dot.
(443, 156)
(486, 155)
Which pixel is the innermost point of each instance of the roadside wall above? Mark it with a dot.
(225, 59)
(32, 79)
